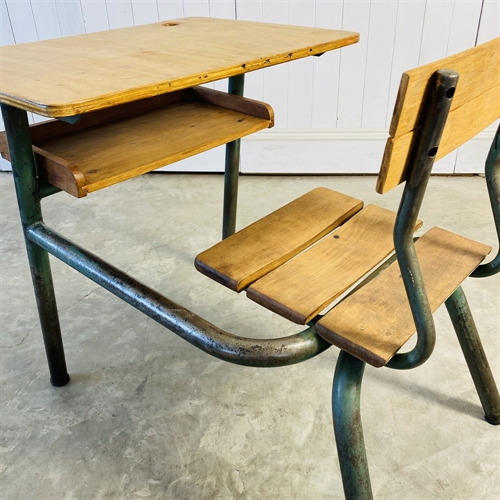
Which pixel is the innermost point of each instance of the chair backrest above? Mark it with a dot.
(475, 106)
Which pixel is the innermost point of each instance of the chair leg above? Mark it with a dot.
(18, 134)
(466, 331)
(348, 429)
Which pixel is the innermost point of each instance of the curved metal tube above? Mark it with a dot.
(492, 172)
(188, 325)
(346, 397)
(437, 108)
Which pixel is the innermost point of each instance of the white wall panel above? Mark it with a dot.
(145, 12)
(7, 35)
(22, 21)
(464, 25)
(489, 25)
(46, 19)
(196, 8)
(95, 15)
(436, 32)
(406, 51)
(326, 70)
(70, 17)
(119, 13)
(276, 77)
(222, 9)
(348, 91)
(251, 10)
(300, 73)
(170, 9)
(381, 34)
(356, 17)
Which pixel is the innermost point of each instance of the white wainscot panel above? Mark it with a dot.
(46, 19)
(209, 161)
(309, 151)
(120, 14)
(95, 15)
(471, 156)
(436, 32)
(381, 36)
(406, 49)
(489, 25)
(70, 18)
(356, 17)
(145, 11)
(170, 9)
(326, 70)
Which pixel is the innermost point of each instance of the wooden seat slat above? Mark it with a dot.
(305, 285)
(249, 254)
(373, 323)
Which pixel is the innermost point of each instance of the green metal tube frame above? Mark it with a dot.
(232, 169)
(437, 106)
(40, 239)
(28, 198)
(469, 340)
(492, 173)
(188, 325)
(346, 394)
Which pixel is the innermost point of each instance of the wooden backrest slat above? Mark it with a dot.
(476, 105)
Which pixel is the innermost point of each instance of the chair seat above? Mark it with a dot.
(302, 287)
(374, 322)
(244, 257)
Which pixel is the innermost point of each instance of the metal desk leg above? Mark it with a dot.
(28, 197)
(232, 167)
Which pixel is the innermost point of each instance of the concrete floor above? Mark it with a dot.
(146, 415)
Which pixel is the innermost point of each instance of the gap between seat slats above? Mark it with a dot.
(375, 322)
(249, 254)
(301, 288)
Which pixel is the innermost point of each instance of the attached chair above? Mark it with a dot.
(382, 302)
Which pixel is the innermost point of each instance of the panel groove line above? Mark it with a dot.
(351, 88)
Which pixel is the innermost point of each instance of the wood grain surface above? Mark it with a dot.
(112, 145)
(302, 287)
(475, 105)
(373, 323)
(79, 74)
(244, 257)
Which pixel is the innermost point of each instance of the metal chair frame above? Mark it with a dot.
(42, 240)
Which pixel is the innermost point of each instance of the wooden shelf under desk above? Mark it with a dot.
(115, 144)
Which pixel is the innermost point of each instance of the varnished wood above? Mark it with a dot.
(252, 252)
(60, 173)
(301, 288)
(43, 131)
(475, 105)
(113, 145)
(373, 323)
(462, 124)
(79, 74)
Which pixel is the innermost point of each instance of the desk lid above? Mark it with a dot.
(78, 74)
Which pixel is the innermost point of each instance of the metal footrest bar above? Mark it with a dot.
(188, 325)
